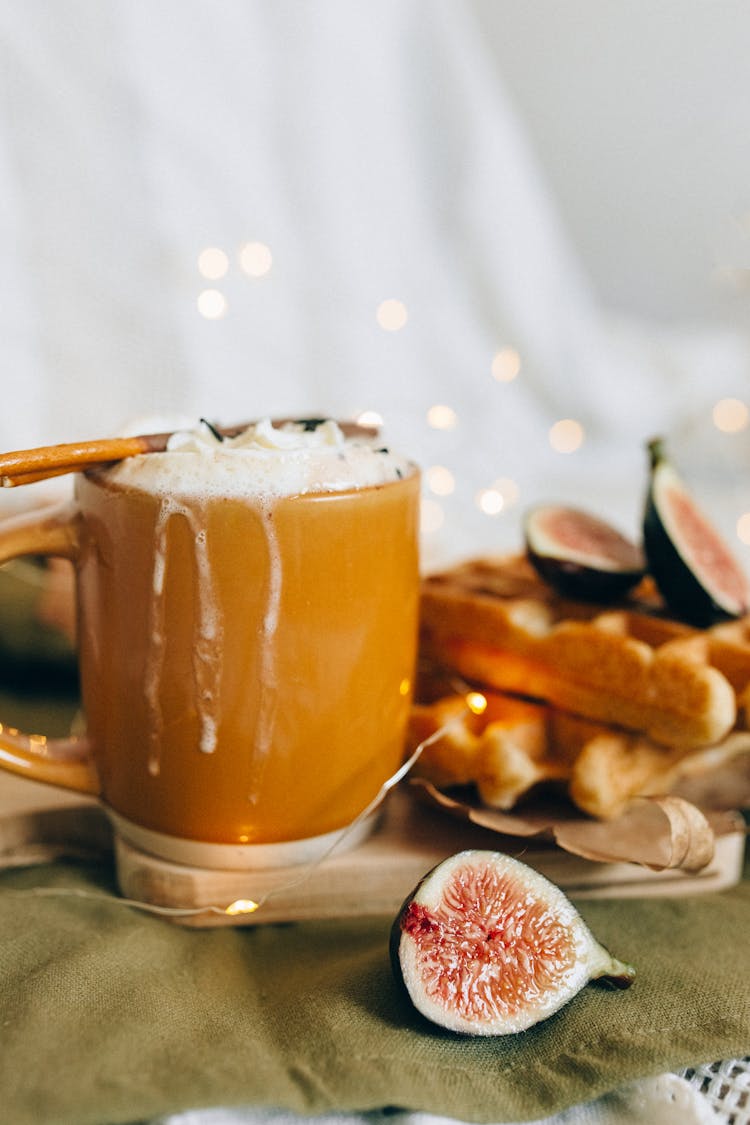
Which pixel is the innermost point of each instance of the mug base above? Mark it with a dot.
(241, 857)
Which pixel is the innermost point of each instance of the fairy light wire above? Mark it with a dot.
(96, 896)
(240, 907)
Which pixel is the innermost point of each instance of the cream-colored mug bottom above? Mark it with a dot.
(240, 857)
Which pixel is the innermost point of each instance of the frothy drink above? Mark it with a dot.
(248, 619)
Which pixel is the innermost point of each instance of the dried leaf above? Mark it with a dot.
(656, 832)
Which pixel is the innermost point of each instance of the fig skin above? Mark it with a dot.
(581, 555)
(485, 945)
(674, 561)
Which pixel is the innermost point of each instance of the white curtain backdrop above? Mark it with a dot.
(372, 148)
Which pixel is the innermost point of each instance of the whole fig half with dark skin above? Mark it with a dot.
(696, 573)
(580, 554)
(487, 946)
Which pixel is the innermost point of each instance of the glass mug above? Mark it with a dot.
(246, 666)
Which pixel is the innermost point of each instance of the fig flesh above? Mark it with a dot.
(580, 554)
(487, 946)
(696, 573)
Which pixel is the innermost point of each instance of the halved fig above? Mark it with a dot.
(580, 554)
(697, 575)
(487, 946)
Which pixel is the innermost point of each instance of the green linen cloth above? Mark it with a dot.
(112, 1015)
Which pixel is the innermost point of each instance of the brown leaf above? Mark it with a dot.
(656, 832)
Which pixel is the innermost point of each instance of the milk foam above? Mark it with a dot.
(265, 460)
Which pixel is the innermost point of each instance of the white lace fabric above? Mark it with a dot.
(726, 1086)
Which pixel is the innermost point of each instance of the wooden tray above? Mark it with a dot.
(38, 824)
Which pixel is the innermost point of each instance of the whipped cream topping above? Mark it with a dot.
(264, 460)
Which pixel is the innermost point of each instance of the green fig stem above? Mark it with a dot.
(657, 451)
(620, 975)
(609, 970)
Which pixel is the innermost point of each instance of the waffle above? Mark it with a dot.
(632, 667)
(514, 745)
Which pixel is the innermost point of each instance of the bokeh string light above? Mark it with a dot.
(506, 365)
(442, 417)
(730, 415)
(392, 315)
(566, 436)
(213, 263)
(255, 259)
(743, 528)
(490, 501)
(212, 304)
(440, 480)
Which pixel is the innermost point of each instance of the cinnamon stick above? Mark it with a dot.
(26, 465)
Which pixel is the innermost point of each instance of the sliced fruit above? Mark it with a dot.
(581, 555)
(487, 946)
(697, 575)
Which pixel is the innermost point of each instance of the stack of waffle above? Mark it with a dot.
(611, 702)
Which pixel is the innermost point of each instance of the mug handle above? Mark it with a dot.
(64, 762)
